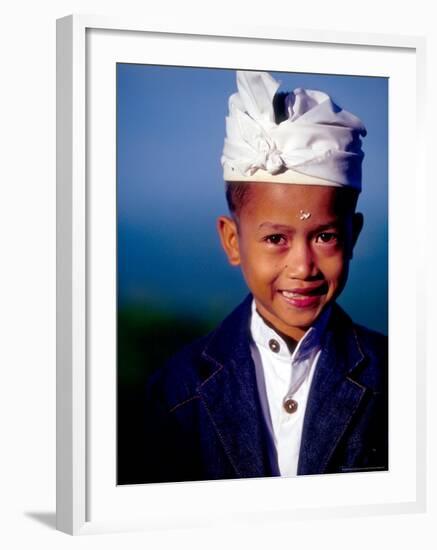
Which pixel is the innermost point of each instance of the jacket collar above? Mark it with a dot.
(335, 394)
(231, 398)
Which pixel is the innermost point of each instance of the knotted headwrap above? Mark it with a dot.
(318, 143)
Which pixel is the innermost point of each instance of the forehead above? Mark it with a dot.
(271, 200)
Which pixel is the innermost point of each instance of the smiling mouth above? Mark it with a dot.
(305, 292)
(303, 297)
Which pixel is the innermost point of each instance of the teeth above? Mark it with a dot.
(291, 294)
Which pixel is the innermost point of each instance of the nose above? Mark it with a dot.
(300, 261)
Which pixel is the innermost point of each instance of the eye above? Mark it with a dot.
(327, 238)
(276, 239)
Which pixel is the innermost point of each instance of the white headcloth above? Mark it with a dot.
(316, 143)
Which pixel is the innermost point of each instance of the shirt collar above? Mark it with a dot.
(309, 344)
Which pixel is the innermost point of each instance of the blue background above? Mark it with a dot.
(170, 131)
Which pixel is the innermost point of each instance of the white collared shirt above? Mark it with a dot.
(278, 371)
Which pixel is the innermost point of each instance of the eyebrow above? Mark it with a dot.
(288, 229)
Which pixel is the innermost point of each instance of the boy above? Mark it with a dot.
(287, 384)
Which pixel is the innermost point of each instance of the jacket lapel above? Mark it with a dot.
(230, 397)
(334, 396)
(231, 400)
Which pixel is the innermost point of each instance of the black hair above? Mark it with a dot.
(279, 107)
(237, 194)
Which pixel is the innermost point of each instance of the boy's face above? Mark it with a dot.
(293, 243)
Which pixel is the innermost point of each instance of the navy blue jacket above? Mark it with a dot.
(204, 418)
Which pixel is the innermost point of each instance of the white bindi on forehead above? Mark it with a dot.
(303, 215)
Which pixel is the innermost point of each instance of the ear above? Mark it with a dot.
(228, 233)
(357, 226)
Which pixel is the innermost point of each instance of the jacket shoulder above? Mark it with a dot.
(366, 350)
(374, 346)
(176, 381)
(373, 343)
(367, 340)
(179, 379)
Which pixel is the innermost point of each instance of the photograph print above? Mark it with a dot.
(252, 274)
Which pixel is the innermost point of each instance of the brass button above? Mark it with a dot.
(290, 405)
(274, 345)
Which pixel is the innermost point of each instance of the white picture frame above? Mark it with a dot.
(87, 500)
